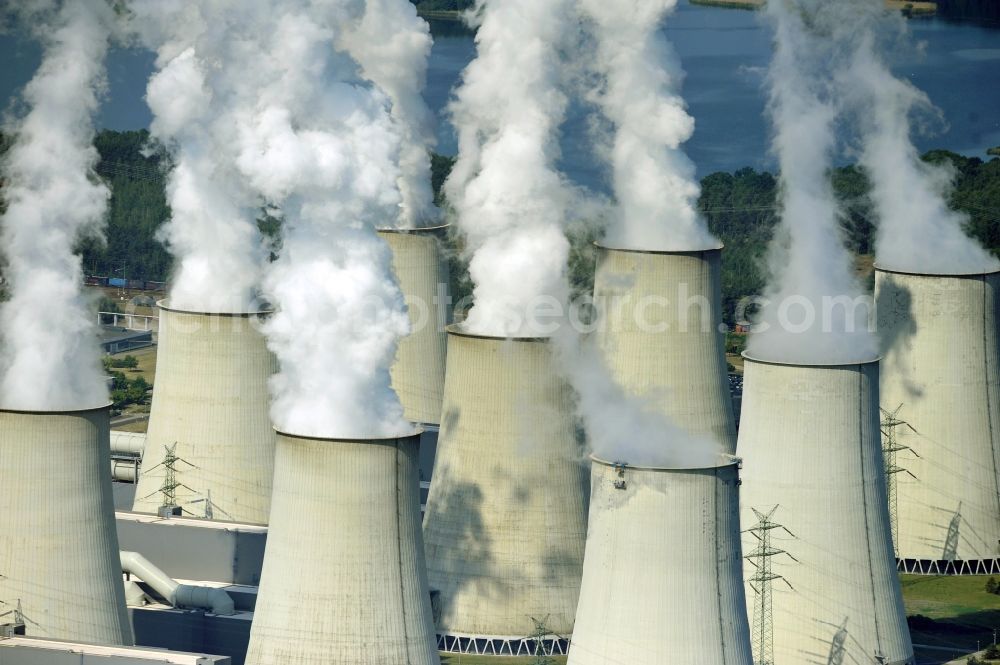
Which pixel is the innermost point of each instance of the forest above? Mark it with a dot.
(740, 209)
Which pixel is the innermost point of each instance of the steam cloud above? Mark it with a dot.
(815, 310)
(49, 358)
(510, 201)
(917, 231)
(201, 81)
(392, 44)
(654, 180)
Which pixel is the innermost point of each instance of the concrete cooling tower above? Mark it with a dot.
(505, 523)
(660, 334)
(662, 576)
(821, 580)
(209, 427)
(60, 574)
(344, 578)
(418, 373)
(941, 410)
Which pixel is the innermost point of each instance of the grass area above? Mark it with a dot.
(953, 611)
(461, 659)
(994, 151)
(147, 370)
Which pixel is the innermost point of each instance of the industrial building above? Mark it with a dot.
(940, 397)
(662, 574)
(661, 337)
(344, 579)
(209, 447)
(821, 579)
(505, 523)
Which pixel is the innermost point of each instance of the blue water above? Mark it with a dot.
(724, 52)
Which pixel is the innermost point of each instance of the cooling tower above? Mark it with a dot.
(660, 334)
(813, 511)
(941, 392)
(210, 407)
(662, 576)
(418, 373)
(505, 523)
(59, 567)
(344, 578)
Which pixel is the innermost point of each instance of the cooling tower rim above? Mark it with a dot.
(458, 330)
(164, 305)
(58, 412)
(414, 433)
(417, 230)
(957, 275)
(874, 360)
(724, 461)
(663, 252)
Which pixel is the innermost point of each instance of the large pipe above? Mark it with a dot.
(214, 600)
(940, 386)
(58, 545)
(127, 443)
(210, 407)
(660, 332)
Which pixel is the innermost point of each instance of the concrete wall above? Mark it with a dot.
(505, 522)
(660, 334)
(418, 373)
(211, 400)
(58, 546)
(28, 651)
(662, 576)
(344, 578)
(940, 374)
(809, 440)
(192, 631)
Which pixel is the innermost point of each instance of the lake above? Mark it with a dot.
(725, 53)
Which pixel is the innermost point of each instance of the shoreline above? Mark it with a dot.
(909, 8)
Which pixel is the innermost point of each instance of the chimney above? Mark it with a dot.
(209, 424)
(60, 574)
(505, 523)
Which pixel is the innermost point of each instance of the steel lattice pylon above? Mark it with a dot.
(761, 582)
(890, 449)
(170, 483)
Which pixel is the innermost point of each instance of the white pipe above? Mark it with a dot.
(127, 443)
(124, 471)
(214, 600)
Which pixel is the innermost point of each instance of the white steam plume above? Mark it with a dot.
(49, 357)
(917, 231)
(815, 310)
(201, 80)
(392, 44)
(510, 201)
(319, 146)
(654, 180)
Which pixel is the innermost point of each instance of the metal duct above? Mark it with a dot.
(418, 373)
(127, 443)
(59, 564)
(814, 489)
(210, 405)
(214, 600)
(505, 522)
(941, 388)
(660, 331)
(344, 578)
(662, 576)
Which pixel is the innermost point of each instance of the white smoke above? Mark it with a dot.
(49, 357)
(392, 44)
(917, 231)
(201, 80)
(510, 201)
(815, 309)
(319, 146)
(654, 180)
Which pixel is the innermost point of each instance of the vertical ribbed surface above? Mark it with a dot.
(343, 580)
(662, 577)
(660, 334)
(505, 522)
(939, 369)
(58, 545)
(210, 398)
(809, 439)
(418, 373)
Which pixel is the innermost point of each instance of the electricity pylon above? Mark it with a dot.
(170, 483)
(761, 582)
(890, 449)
